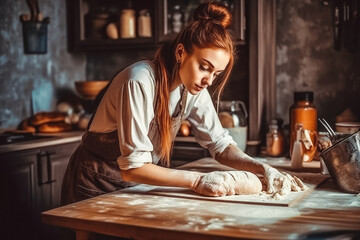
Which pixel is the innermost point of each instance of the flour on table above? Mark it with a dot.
(274, 196)
(232, 216)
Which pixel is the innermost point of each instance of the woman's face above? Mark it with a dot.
(198, 70)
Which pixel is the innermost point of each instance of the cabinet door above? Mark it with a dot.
(52, 164)
(175, 14)
(30, 182)
(19, 198)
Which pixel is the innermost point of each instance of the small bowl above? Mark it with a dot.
(347, 127)
(90, 89)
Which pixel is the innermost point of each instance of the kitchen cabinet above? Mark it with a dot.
(88, 20)
(31, 183)
(170, 9)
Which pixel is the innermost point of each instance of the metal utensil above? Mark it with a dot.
(33, 9)
(37, 9)
(331, 132)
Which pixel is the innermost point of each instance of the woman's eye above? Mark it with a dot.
(203, 68)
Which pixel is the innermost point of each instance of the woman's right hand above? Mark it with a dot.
(215, 184)
(281, 182)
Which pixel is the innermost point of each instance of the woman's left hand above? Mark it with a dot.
(282, 182)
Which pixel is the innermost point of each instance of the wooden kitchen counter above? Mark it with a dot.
(135, 213)
(49, 139)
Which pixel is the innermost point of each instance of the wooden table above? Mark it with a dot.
(138, 215)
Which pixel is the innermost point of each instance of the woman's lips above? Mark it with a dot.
(199, 88)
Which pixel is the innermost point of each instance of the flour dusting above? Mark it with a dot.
(257, 215)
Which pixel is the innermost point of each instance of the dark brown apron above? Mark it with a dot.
(93, 169)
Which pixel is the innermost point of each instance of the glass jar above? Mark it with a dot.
(176, 19)
(127, 23)
(274, 140)
(233, 115)
(304, 112)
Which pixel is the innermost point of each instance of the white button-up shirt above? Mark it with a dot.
(128, 106)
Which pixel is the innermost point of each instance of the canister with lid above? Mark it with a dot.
(304, 112)
(127, 24)
(144, 23)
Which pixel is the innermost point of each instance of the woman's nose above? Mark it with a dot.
(208, 80)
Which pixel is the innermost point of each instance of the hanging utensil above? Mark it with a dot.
(337, 15)
(38, 13)
(33, 10)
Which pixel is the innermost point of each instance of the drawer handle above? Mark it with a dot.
(41, 168)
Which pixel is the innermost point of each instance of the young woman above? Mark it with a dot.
(130, 135)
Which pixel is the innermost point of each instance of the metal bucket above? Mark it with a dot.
(343, 162)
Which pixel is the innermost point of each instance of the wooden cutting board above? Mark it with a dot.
(312, 180)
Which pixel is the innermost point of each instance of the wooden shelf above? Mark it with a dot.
(79, 38)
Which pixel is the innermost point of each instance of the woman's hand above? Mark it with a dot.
(282, 182)
(215, 184)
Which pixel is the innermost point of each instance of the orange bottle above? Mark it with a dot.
(304, 112)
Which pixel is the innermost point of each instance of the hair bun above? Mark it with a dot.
(213, 11)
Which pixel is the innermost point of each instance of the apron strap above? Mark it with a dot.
(97, 102)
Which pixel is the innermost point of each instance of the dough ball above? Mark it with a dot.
(246, 182)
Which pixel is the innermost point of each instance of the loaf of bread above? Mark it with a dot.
(46, 122)
(46, 117)
(54, 127)
(25, 125)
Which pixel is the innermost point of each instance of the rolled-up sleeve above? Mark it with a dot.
(206, 125)
(134, 113)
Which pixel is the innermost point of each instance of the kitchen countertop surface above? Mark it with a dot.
(48, 139)
(141, 215)
(44, 141)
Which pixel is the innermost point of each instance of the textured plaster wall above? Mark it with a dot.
(306, 60)
(49, 75)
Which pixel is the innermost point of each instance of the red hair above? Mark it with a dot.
(207, 29)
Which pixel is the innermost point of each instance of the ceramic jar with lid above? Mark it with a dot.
(127, 24)
(144, 23)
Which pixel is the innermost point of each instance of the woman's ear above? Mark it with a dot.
(179, 52)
